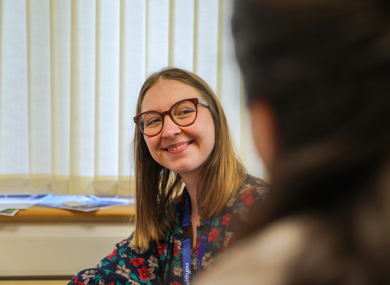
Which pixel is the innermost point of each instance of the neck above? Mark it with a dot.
(192, 187)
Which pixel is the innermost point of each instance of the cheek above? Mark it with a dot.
(211, 137)
(207, 134)
(152, 144)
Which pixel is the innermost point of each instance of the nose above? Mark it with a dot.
(170, 129)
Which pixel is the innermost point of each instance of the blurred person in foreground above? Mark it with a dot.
(317, 76)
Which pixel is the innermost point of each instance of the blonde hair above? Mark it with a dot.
(156, 186)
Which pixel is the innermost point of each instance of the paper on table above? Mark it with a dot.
(8, 212)
(20, 201)
(120, 199)
(78, 203)
(7, 199)
(68, 202)
(19, 206)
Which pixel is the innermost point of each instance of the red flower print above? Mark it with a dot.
(176, 250)
(226, 219)
(197, 253)
(214, 234)
(111, 283)
(75, 281)
(160, 248)
(144, 273)
(175, 283)
(197, 243)
(137, 261)
(109, 257)
(248, 201)
(180, 200)
(247, 193)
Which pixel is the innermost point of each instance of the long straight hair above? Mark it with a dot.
(156, 186)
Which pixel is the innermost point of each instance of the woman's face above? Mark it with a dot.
(180, 149)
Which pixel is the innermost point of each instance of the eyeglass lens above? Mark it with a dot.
(182, 113)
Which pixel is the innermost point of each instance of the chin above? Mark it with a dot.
(183, 170)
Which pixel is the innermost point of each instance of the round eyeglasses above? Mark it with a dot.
(182, 113)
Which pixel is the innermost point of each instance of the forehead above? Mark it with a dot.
(166, 92)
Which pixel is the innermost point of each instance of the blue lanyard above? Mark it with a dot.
(187, 244)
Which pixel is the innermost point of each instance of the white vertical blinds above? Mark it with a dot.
(157, 35)
(39, 86)
(181, 44)
(107, 89)
(70, 73)
(60, 61)
(229, 84)
(83, 93)
(206, 41)
(14, 101)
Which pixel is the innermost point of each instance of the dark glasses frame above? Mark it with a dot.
(196, 101)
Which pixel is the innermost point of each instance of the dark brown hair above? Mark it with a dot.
(220, 176)
(323, 67)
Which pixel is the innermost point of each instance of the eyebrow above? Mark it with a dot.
(201, 101)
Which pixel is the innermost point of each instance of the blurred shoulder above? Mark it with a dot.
(265, 257)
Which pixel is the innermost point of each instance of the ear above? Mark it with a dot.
(264, 131)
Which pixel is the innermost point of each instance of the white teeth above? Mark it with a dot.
(178, 146)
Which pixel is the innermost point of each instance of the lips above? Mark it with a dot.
(177, 145)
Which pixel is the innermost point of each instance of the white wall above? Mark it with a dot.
(56, 249)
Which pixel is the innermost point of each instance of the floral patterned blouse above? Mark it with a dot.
(162, 262)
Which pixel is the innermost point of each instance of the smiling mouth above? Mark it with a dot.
(179, 146)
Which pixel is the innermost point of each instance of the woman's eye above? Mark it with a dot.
(153, 122)
(185, 112)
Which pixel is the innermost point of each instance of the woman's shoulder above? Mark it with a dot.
(250, 194)
(273, 255)
(251, 191)
(263, 258)
(125, 265)
(252, 185)
(250, 179)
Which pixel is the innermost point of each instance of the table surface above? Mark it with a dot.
(46, 214)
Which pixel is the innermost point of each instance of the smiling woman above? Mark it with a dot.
(192, 192)
(182, 149)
